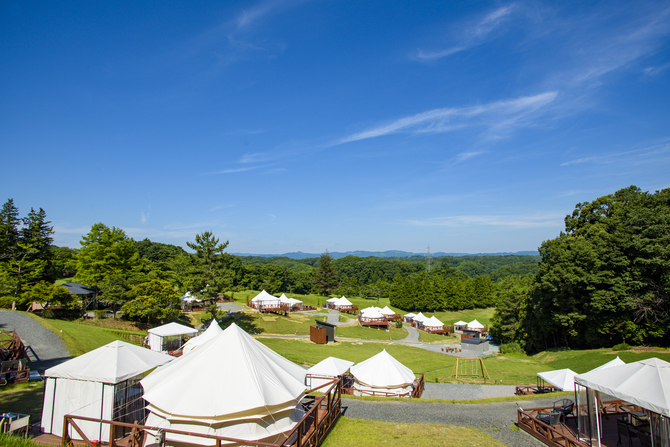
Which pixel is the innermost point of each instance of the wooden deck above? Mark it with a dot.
(525, 390)
(535, 421)
(373, 322)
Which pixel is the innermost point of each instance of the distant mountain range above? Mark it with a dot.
(382, 254)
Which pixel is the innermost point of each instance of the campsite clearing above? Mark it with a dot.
(366, 333)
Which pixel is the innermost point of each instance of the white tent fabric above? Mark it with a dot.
(382, 370)
(410, 315)
(290, 301)
(645, 383)
(326, 370)
(461, 323)
(343, 302)
(190, 298)
(387, 311)
(563, 379)
(257, 400)
(372, 314)
(212, 331)
(420, 317)
(265, 298)
(612, 363)
(113, 363)
(433, 322)
(332, 300)
(371, 309)
(157, 334)
(85, 386)
(474, 324)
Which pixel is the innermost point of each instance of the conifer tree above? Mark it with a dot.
(325, 276)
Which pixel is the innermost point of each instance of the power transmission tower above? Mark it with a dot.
(429, 259)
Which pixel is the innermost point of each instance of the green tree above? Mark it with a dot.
(208, 249)
(510, 297)
(9, 229)
(49, 294)
(325, 276)
(153, 301)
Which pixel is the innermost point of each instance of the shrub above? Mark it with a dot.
(622, 347)
(511, 348)
(398, 324)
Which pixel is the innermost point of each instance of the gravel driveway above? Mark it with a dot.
(495, 419)
(43, 348)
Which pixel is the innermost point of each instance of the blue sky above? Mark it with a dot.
(310, 125)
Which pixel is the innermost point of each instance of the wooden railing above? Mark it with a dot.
(523, 390)
(418, 387)
(11, 346)
(309, 432)
(433, 330)
(417, 390)
(531, 424)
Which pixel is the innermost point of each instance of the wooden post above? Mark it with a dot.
(111, 436)
(66, 437)
(299, 441)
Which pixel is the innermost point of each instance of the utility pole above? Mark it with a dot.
(429, 258)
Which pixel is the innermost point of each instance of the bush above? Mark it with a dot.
(622, 347)
(511, 348)
(398, 324)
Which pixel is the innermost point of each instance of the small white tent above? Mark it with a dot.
(325, 371)
(433, 322)
(343, 302)
(387, 312)
(257, 397)
(169, 337)
(562, 379)
(382, 375)
(101, 384)
(212, 331)
(475, 325)
(292, 302)
(459, 325)
(419, 319)
(371, 314)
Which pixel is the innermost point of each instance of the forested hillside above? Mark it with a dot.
(605, 280)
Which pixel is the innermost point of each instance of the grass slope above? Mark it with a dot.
(23, 398)
(366, 333)
(364, 433)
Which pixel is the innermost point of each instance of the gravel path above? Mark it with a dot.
(412, 336)
(496, 419)
(229, 307)
(44, 348)
(459, 391)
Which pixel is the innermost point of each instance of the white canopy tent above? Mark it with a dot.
(332, 300)
(419, 318)
(372, 314)
(343, 302)
(382, 374)
(212, 331)
(169, 337)
(101, 384)
(475, 325)
(255, 398)
(325, 371)
(562, 379)
(265, 299)
(433, 322)
(645, 383)
(459, 325)
(612, 363)
(292, 302)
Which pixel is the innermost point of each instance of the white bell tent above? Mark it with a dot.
(372, 314)
(433, 323)
(612, 363)
(460, 325)
(101, 384)
(325, 371)
(255, 394)
(387, 312)
(562, 379)
(212, 331)
(292, 302)
(475, 325)
(382, 375)
(408, 317)
(419, 319)
(170, 337)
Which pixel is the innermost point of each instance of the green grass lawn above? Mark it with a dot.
(257, 323)
(366, 333)
(583, 361)
(364, 433)
(467, 315)
(23, 398)
(425, 337)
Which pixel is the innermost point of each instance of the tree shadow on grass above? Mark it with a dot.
(243, 320)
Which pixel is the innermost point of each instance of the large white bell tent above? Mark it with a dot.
(388, 312)
(475, 325)
(433, 323)
(255, 394)
(325, 371)
(382, 374)
(212, 331)
(419, 318)
(611, 364)
(101, 384)
(169, 337)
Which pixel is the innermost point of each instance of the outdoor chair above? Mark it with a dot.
(565, 407)
(553, 419)
(623, 428)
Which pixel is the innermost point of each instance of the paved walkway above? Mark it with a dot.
(43, 348)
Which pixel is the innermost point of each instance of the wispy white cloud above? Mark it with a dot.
(550, 220)
(474, 34)
(144, 217)
(221, 207)
(258, 157)
(637, 156)
(467, 155)
(242, 169)
(499, 115)
(655, 71)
